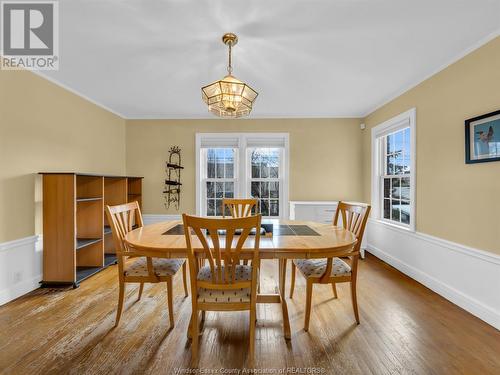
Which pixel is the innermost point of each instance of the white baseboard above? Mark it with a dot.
(468, 277)
(20, 267)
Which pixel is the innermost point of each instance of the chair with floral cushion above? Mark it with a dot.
(335, 270)
(122, 219)
(225, 284)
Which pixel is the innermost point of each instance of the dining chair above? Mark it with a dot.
(239, 207)
(224, 284)
(122, 219)
(335, 270)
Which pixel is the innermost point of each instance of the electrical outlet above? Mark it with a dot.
(18, 276)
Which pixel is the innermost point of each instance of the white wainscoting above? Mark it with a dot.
(468, 277)
(21, 262)
(20, 267)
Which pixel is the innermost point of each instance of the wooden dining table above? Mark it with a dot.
(289, 239)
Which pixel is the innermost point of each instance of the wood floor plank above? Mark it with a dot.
(405, 328)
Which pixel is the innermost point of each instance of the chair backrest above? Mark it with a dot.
(222, 241)
(239, 207)
(122, 219)
(354, 218)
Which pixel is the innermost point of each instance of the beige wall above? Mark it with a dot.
(46, 128)
(455, 201)
(325, 156)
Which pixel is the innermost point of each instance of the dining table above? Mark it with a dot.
(280, 239)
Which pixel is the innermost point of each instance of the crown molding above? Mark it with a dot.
(481, 42)
(56, 82)
(359, 115)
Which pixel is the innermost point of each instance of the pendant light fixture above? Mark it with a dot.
(229, 97)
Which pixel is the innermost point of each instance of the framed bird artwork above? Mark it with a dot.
(482, 138)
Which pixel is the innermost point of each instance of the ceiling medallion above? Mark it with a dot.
(229, 97)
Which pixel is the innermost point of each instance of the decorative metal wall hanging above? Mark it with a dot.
(172, 192)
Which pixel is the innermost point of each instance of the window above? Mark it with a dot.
(242, 165)
(219, 178)
(393, 170)
(396, 176)
(265, 179)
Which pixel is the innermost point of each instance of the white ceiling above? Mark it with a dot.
(331, 58)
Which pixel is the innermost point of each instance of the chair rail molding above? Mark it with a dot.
(467, 277)
(20, 267)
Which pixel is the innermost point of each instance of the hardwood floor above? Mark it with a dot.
(405, 329)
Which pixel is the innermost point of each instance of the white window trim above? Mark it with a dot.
(401, 121)
(243, 188)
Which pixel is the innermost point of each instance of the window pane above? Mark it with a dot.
(218, 207)
(398, 137)
(264, 170)
(210, 207)
(274, 189)
(398, 162)
(274, 172)
(211, 163)
(229, 170)
(390, 164)
(264, 189)
(210, 190)
(390, 143)
(396, 209)
(255, 161)
(396, 188)
(219, 170)
(387, 208)
(219, 189)
(255, 171)
(406, 156)
(405, 212)
(255, 189)
(405, 188)
(229, 189)
(264, 207)
(274, 208)
(387, 187)
(211, 169)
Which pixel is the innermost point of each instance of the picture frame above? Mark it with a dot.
(482, 138)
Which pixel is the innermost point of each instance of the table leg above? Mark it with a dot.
(284, 307)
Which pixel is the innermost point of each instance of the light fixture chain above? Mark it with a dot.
(230, 68)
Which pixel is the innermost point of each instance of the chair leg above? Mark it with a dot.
(184, 279)
(170, 299)
(121, 296)
(194, 335)
(258, 285)
(334, 288)
(141, 288)
(354, 300)
(309, 292)
(251, 347)
(292, 283)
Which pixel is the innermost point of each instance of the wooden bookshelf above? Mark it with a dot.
(77, 241)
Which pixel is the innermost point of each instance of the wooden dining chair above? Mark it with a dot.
(335, 270)
(122, 219)
(239, 207)
(224, 284)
